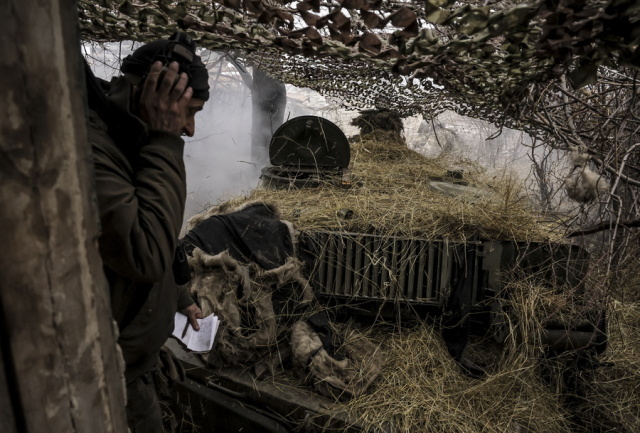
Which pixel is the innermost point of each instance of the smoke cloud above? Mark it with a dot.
(218, 156)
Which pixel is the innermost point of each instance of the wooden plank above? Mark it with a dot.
(8, 391)
(54, 297)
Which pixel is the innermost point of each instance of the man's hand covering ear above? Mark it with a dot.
(164, 99)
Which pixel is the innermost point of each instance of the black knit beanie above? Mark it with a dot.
(180, 48)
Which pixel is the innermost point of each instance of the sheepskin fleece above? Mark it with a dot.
(582, 184)
(240, 294)
(334, 378)
(252, 334)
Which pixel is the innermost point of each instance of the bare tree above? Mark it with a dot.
(269, 99)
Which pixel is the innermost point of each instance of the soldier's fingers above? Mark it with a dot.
(185, 97)
(194, 323)
(151, 82)
(180, 87)
(169, 78)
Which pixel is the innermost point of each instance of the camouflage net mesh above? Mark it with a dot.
(564, 71)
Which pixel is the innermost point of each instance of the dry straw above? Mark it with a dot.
(421, 389)
(613, 391)
(391, 195)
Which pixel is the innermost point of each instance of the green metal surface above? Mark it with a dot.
(309, 141)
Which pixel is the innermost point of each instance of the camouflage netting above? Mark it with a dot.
(503, 61)
(564, 71)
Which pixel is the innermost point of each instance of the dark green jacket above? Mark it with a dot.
(141, 192)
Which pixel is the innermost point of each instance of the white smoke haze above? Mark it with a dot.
(218, 157)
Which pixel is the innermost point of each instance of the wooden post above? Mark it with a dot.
(59, 365)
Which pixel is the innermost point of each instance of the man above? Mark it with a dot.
(135, 131)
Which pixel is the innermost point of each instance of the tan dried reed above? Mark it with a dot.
(391, 195)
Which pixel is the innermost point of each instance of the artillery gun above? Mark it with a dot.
(401, 279)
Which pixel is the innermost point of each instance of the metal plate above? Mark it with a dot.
(309, 141)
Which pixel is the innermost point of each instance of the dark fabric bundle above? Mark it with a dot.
(253, 234)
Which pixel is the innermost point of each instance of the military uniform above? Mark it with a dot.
(141, 189)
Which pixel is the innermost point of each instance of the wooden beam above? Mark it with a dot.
(60, 359)
(8, 422)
